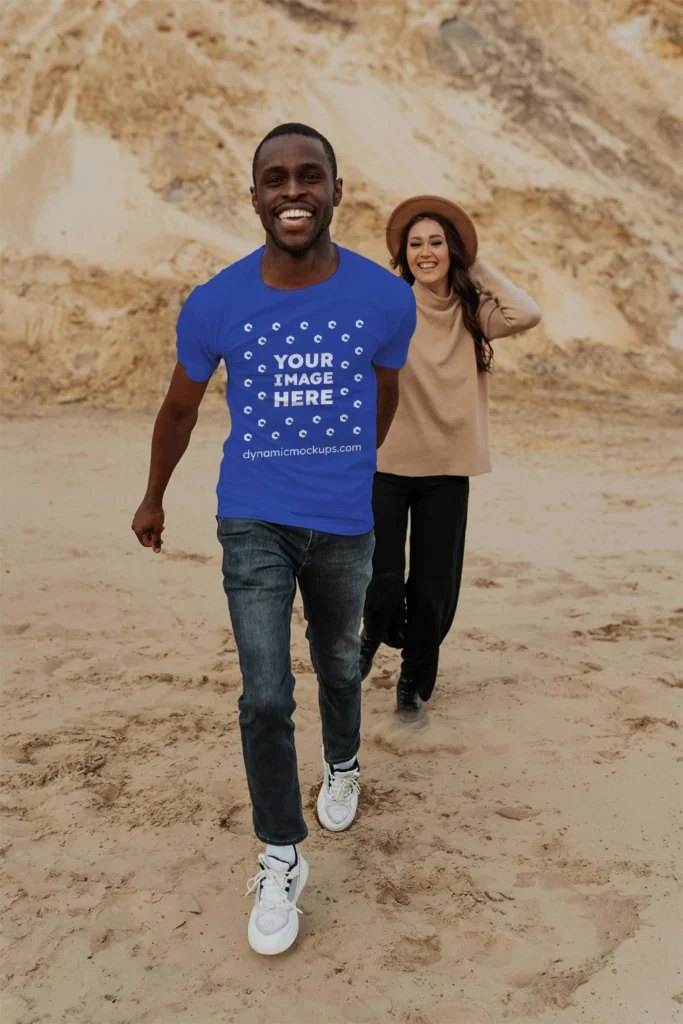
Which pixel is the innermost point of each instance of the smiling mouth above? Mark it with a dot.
(294, 218)
(428, 266)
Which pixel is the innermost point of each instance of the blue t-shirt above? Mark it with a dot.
(302, 390)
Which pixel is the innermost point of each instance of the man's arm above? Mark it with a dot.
(174, 425)
(387, 400)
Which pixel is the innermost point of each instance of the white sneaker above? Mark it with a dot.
(274, 921)
(338, 798)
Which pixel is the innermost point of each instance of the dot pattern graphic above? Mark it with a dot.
(312, 377)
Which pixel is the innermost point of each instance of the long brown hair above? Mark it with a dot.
(460, 281)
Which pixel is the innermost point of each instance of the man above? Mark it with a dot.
(313, 337)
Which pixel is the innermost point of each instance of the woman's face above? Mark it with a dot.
(427, 253)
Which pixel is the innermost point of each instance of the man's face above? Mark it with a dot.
(295, 193)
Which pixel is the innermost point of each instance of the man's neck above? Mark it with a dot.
(280, 269)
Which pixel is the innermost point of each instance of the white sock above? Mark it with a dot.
(344, 766)
(285, 853)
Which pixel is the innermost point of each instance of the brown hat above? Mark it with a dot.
(409, 208)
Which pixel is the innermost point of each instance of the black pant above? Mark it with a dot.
(416, 615)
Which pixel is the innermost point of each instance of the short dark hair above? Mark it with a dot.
(293, 128)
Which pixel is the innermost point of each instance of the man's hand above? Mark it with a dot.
(387, 400)
(148, 525)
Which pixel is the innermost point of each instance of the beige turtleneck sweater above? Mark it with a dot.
(441, 426)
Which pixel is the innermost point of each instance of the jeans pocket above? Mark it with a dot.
(227, 528)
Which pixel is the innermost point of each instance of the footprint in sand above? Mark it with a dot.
(517, 813)
(417, 946)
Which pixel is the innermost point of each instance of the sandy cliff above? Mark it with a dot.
(128, 130)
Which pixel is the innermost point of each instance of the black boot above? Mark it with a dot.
(409, 707)
(368, 650)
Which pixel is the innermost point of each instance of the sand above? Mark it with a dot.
(127, 130)
(516, 860)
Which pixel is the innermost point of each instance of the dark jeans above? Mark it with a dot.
(262, 563)
(417, 615)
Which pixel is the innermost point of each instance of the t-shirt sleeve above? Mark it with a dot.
(195, 339)
(394, 352)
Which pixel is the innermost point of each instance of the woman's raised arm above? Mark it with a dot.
(504, 309)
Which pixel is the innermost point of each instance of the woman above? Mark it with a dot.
(439, 438)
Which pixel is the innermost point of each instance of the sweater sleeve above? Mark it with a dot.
(504, 309)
